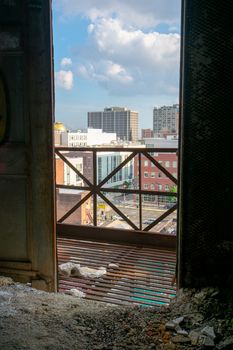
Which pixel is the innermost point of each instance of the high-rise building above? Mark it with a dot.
(166, 120)
(122, 121)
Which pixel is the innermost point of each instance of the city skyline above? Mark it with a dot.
(120, 53)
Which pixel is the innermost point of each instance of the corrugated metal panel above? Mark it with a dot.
(144, 276)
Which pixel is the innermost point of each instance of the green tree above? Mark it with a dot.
(172, 189)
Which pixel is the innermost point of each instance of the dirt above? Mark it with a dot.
(35, 320)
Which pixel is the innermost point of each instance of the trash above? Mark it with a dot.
(208, 331)
(75, 270)
(88, 272)
(194, 336)
(76, 293)
(113, 266)
(180, 339)
(69, 269)
(206, 341)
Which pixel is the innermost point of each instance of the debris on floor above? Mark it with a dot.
(71, 269)
(195, 320)
(76, 292)
(5, 281)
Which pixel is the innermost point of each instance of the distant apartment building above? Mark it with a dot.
(166, 120)
(147, 133)
(152, 178)
(122, 121)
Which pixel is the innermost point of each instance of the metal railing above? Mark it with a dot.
(100, 189)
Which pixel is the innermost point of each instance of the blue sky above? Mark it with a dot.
(115, 53)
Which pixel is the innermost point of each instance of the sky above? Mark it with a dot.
(121, 53)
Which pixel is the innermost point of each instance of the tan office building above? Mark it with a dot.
(120, 120)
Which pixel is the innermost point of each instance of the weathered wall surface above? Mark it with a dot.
(27, 235)
(206, 186)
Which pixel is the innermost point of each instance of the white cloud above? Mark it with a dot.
(66, 61)
(105, 72)
(124, 52)
(143, 14)
(64, 79)
(130, 61)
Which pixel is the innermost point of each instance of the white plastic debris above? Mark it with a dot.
(178, 320)
(75, 270)
(208, 331)
(76, 293)
(113, 266)
(88, 272)
(182, 332)
(175, 324)
(69, 269)
(170, 325)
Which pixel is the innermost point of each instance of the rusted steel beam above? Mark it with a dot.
(120, 166)
(140, 189)
(93, 188)
(116, 235)
(119, 190)
(160, 167)
(118, 211)
(116, 149)
(73, 168)
(75, 207)
(163, 216)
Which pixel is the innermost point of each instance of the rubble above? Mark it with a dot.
(88, 272)
(68, 269)
(5, 281)
(113, 266)
(75, 270)
(63, 322)
(226, 344)
(209, 332)
(76, 292)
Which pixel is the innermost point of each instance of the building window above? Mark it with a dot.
(160, 187)
(167, 164)
(152, 174)
(166, 188)
(175, 175)
(145, 174)
(146, 186)
(152, 186)
(174, 164)
(145, 162)
(160, 175)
